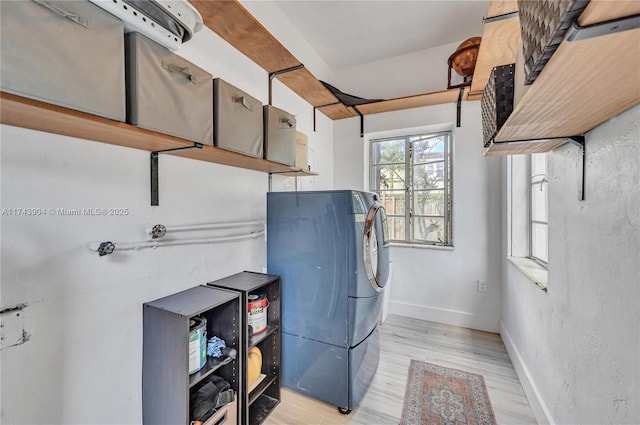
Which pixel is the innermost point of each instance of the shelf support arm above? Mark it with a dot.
(579, 142)
(459, 107)
(577, 32)
(355, 108)
(274, 74)
(321, 106)
(155, 186)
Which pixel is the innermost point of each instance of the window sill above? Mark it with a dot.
(532, 270)
(420, 246)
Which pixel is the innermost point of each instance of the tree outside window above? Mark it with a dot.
(412, 175)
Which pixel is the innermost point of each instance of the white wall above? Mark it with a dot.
(433, 284)
(577, 347)
(413, 73)
(82, 363)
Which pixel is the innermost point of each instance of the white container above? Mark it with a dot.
(257, 306)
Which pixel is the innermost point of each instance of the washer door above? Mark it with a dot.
(376, 258)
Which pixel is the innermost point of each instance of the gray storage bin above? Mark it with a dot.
(67, 53)
(279, 136)
(238, 120)
(167, 93)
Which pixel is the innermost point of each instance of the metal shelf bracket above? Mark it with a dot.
(155, 186)
(321, 106)
(576, 32)
(355, 108)
(459, 107)
(579, 142)
(274, 74)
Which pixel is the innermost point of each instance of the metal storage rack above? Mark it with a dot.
(259, 402)
(166, 383)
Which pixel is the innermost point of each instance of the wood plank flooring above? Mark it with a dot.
(403, 339)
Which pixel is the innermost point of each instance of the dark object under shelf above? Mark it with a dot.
(497, 101)
(543, 24)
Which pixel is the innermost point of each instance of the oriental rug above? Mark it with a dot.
(437, 395)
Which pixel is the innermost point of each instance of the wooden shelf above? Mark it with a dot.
(427, 99)
(500, 40)
(584, 84)
(28, 113)
(231, 21)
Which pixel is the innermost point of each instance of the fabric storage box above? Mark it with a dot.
(497, 101)
(543, 24)
(302, 151)
(279, 136)
(166, 93)
(238, 120)
(67, 53)
(226, 415)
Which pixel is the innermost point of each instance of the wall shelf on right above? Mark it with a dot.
(585, 83)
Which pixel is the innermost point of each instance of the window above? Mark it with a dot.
(538, 223)
(412, 175)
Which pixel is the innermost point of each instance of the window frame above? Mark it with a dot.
(409, 216)
(533, 181)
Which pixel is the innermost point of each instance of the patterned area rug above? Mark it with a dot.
(437, 395)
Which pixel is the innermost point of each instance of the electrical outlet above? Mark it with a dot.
(482, 286)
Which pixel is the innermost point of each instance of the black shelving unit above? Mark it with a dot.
(166, 382)
(258, 403)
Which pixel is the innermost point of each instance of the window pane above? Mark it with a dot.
(389, 177)
(428, 176)
(538, 164)
(428, 229)
(388, 152)
(393, 201)
(412, 176)
(539, 241)
(429, 202)
(539, 202)
(396, 227)
(427, 150)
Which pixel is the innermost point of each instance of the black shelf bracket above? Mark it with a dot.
(318, 107)
(459, 107)
(355, 108)
(500, 17)
(155, 186)
(274, 74)
(576, 32)
(579, 142)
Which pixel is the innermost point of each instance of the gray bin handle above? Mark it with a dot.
(185, 70)
(291, 123)
(62, 12)
(244, 102)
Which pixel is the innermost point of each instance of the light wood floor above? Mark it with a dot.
(403, 339)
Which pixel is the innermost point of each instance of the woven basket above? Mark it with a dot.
(543, 24)
(497, 101)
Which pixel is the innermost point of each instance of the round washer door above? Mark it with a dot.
(376, 258)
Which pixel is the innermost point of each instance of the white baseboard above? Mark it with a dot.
(439, 315)
(537, 404)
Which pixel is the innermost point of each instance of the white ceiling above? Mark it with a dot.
(350, 33)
